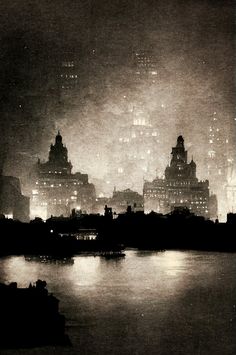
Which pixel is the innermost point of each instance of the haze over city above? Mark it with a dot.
(167, 67)
(117, 177)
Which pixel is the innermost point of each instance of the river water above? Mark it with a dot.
(169, 302)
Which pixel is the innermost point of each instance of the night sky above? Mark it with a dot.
(191, 40)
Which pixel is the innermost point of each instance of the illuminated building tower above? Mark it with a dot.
(179, 188)
(135, 154)
(56, 190)
(219, 161)
(69, 74)
(217, 151)
(230, 188)
(145, 65)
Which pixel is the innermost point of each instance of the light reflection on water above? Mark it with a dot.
(156, 303)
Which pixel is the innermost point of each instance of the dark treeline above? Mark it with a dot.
(59, 236)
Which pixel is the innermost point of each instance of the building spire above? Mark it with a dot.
(58, 137)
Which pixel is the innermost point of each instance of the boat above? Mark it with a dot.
(48, 259)
(113, 254)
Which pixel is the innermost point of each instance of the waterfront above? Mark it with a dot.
(148, 302)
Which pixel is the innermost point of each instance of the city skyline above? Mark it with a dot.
(118, 177)
(105, 74)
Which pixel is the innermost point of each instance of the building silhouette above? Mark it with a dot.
(56, 190)
(119, 202)
(179, 188)
(12, 203)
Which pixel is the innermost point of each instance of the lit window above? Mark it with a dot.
(211, 153)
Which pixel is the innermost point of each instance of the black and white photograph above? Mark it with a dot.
(117, 177)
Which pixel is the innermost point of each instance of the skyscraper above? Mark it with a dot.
(135, 151)
(179, 188)
(56, 190)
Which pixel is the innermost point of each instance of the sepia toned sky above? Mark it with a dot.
(193, 42)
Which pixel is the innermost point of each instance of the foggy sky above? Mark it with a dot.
(193, 41)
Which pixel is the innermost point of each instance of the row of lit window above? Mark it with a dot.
(200, 207)
(60, 201)
(155, 196)
(59, 184)
(68, 64)
(179, 183)
(67, 87)
(69, 76)
(134, 135)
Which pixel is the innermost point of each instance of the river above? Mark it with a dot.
(171, 302)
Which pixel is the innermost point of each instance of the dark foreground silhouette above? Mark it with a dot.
(65, 237)
(30, 317)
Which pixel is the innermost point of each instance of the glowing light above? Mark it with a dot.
(9, 215)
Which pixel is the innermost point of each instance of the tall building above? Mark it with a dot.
(68, 74)
(56, 190)
(219, 164)
(12, 203)
(217, 152)
(135, 152)
(179, 188)
(145, 65)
